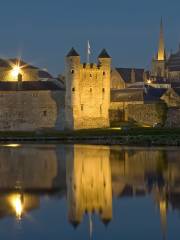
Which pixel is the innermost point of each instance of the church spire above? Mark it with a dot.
(161, 50)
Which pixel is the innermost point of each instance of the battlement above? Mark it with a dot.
(90, 66)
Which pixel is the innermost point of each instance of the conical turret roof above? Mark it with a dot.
(72, 53)
(104, 54)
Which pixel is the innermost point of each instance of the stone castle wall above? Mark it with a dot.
(118, 112)
(147, 114)
(31, 110)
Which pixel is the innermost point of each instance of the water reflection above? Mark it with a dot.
(89, 176)
(89, 186)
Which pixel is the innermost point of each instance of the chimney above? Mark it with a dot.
(19, 81)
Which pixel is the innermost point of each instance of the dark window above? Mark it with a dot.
(104, 73)
(72, 71)
(45, 113)
(73, 89)
(90, 75)
(90, 89)
(82, 107)
(103, 90)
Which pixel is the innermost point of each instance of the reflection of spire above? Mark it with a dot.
(90, 227)
(163, 215)
(161, 50)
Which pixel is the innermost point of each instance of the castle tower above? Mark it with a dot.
(104, 61)
(158, 63)
(72, 87)
(87, 92)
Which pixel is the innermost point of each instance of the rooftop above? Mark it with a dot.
(104, 54)
(126, 74)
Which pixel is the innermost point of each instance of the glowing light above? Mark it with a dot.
(116, 128)
(17, 205)
(149, 81)
(13, 145)
(15, 71)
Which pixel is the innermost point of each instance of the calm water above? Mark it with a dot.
(89, 192)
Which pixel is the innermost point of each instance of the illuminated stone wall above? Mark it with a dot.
(118, 112)
(87, 94)
(31, 110)
(88, 182)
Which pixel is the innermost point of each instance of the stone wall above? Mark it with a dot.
(173, 118)
(147, 114)
(31, 110)
(118, 112)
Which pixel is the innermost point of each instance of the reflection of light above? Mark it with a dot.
(13, 145)
(16, 70)
(116, 128)
(17, 204)
(162, 206)
(149, 81)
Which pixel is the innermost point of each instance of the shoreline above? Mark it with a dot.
(131, 137)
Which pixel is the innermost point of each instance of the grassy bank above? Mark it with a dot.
(133, 136)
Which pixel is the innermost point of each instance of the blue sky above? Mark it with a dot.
(43, 31)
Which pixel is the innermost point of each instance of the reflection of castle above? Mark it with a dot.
(88, 183)
(93, 175)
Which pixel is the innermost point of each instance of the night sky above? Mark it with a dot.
(43, 31)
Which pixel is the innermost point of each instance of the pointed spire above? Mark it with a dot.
(161, 50)
(104, 54)
(72, 53)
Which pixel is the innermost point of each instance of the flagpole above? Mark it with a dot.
(88, 52)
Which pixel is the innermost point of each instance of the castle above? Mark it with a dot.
(87, 98)
(90, 95)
